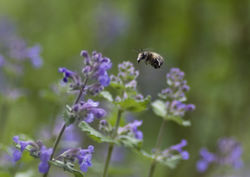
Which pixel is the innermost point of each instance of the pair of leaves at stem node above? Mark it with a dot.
(128, 104)
(119, 140)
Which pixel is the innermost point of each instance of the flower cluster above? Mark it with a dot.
(175, 93)
(94, 70)
(176, 148)
(132, 129)
(228, 153)
(37, 150)
(89, 110)
(83, 156)
(126, 80)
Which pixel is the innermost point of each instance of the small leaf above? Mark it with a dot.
(159, 108)
(67, 167)
(180, 121)
(171, 162)
(94, 134)
(107, 96)
(129, 141)
(117, 86)
(68, 116)
(133, 105)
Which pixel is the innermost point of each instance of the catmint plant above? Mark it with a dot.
(171, 106)
(90, 82)
(125, 98)
(228, 152)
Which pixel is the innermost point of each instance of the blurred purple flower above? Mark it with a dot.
(34, 54)
(110, 23)
(229, 153)
(176, 148)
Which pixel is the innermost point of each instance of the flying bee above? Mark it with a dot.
(153, 58)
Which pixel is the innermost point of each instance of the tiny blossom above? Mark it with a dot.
(83, 156)
(17, 154)
(229, 153)
(68, 74)
(176, 148)
(44, 158)
(89, 110)
(132, 128)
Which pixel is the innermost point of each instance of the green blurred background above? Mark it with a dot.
(209, 40)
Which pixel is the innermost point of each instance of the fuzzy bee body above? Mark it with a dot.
(152, 58)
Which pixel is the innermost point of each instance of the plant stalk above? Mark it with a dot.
(157, 148)
(111, 145)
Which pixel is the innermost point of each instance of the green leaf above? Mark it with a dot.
(67, 167)
(180, 121)
(129, 141)
(133, 105)
(117, 86)
(68, 116)
(159, 108)
(94, 134)
(171, 162)
(107, 95)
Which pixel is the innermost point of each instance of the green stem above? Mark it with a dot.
(64, 126)
(157, 148)
(111, 145)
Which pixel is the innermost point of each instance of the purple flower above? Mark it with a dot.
(36, 149)
(229, 153)
(17, 154)
(67, 74)
(44, 158)
(96, 67)
(201, 166)
(83, 156)
(177, 148)
(89, 110)
(132, 128)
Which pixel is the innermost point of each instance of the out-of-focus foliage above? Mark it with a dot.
(209, 40)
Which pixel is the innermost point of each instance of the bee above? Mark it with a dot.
(152, 58)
